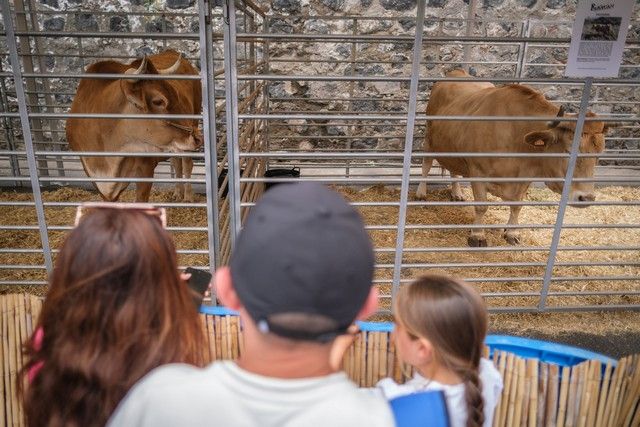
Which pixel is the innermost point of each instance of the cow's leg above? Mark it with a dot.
(178, 191)
(456, 190)
(511, 235)
(477, 236)
(143, 189)
(421, 192)
(187, 168)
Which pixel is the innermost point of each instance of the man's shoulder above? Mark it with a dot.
(164, 392)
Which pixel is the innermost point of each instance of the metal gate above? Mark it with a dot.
(342, 99)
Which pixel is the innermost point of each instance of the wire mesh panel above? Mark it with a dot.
(346, 102)
(48, 52)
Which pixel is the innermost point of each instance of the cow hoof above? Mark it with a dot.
(512, 239)
(477, 242)
(421, 192)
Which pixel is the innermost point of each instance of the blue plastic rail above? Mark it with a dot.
(545, 351)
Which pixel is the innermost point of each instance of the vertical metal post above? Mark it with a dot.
(471, 20)
(408, 148)
(26, 130)
(566, 189)
(49, 100)
(32, 89)
(266, 86)
(231, 94)
(8, 131)
(522, 50)
(209, 133)
(351, 129)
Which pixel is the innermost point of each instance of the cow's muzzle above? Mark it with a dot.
(584, 199)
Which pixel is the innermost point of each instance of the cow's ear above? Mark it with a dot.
(540, 138)
(133, 92)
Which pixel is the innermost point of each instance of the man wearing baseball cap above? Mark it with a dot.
(300, 274)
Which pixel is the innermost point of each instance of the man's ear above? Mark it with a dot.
(224, 289)
(370, 305)
(540, 138)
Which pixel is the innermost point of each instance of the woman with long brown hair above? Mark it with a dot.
(440, 326)
(116, 308)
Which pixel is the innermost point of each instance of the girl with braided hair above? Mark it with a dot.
(440, 328)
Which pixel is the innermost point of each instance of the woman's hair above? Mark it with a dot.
(452, 316)
(116, 308)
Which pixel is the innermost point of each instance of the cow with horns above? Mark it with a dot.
(485, 99)
(148, 135)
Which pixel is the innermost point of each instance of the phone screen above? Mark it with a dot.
(198, 283)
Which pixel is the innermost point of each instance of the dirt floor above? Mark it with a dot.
(613, 333)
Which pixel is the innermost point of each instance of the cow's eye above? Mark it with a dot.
(158, 102)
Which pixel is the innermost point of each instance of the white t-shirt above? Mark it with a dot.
(456, 404)
(223, 394)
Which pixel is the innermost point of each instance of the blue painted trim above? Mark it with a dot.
(375, 326)
(545, 351)
(217, 310)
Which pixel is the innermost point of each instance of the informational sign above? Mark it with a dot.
(597, 41)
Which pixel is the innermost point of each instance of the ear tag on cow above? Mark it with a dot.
(538, 143)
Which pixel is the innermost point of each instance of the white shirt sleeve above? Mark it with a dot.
(491, 389)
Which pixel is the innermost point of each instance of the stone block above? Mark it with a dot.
(556, 4)
(436, 3)
(86, 22)
(51, 3)
(119, 24)
(335, 5)
(398, 5)
(159, 25)
(288, 6)
(407, 23)
(279, 25)
(180, 4)
(53, 24)
(316, 26)
(492, 3)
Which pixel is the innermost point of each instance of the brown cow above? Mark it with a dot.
(484, 99)
(136, 96)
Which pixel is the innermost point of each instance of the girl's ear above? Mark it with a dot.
(424, 350)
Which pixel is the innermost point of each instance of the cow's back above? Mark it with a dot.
(470, 99)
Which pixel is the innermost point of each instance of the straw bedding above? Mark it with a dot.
(196, 217)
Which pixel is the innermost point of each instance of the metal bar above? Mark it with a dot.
(209, 131)
(564, 82)
(566, 189)
(27, 64)
(26, 130)
(8, 131)
(408, 148)
(233, 146)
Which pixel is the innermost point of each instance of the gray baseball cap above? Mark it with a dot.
(303, 253)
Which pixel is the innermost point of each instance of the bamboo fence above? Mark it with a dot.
(535, 393)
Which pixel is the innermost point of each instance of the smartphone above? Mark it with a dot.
(198, 284)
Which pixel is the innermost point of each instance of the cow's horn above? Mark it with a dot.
(173, 68)
(141, 69)
(560, 114)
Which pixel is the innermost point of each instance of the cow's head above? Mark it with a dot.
(146, 96)
(557, 138)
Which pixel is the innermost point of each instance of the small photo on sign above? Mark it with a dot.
(601, 28)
